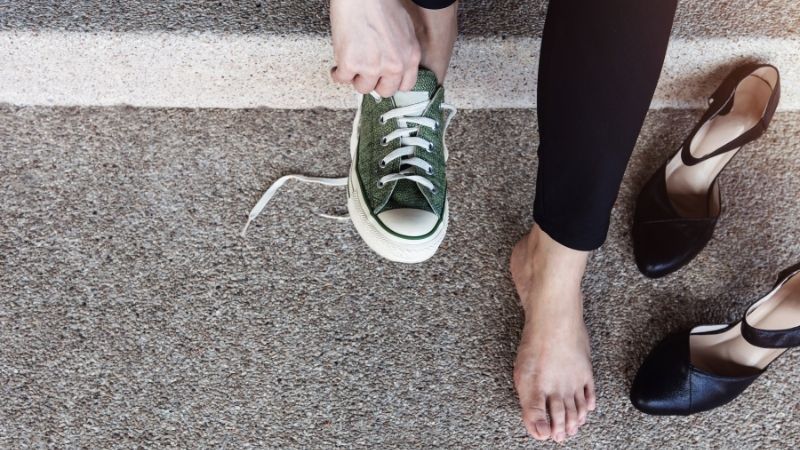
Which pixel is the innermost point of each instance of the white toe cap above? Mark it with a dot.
(409, 222)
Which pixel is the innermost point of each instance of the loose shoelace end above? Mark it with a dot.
(277, 185)
(244, 229)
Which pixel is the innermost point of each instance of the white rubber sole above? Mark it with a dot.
(382, 242)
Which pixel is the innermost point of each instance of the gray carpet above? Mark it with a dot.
(132, 314)
(696, 19)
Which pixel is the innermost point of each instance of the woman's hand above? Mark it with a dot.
(374, 46)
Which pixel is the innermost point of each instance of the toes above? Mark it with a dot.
(591, 400)
(534, 415)
(557, 418)
(581, 406)
(571, 413)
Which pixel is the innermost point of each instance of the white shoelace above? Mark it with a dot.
(273, 189)
(405, 116)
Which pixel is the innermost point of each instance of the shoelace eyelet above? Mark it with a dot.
(381, 184)
(381, 120)
(434, 190)
(430, 147)
(384, 142)
(430, 170)
(382, 164)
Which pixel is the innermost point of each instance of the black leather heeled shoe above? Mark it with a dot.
(677, 210)
(712, 364)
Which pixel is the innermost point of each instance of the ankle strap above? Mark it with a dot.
(786, 338)
(721, 102)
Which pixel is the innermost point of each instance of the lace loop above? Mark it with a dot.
(410, 140)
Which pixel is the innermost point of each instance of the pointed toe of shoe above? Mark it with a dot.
(650, 398)
(645, 400)
(661, 386)
(668, 385)
(663, 240)
(662, 247)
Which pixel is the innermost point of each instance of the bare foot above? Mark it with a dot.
(553, 370)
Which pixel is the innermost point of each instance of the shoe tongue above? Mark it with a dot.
(423, 90)
(406, 193)
(410, 98)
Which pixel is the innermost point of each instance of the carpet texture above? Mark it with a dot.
(132, 314)
(695, 19)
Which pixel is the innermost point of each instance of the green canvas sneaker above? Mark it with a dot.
(396, 189)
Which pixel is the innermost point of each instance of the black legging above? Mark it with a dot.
(599, 66)
(598, 69)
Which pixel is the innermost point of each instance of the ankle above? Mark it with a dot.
(436, 32)
(435, 58)
(549, 258)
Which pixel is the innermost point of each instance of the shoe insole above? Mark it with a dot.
(728, 353)
(688, 186)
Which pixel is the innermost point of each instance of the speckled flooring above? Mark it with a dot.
(132, 313)
(694, 19)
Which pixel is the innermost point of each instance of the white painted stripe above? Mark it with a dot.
(238, 71)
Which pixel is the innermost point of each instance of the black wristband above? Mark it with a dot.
(434, 4)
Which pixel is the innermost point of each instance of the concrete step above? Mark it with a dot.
(695, 19)
(291, 71)
(133, 314)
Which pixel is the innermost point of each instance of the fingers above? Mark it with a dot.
(385, 82)
(555, 405)
(386, 76)
(375, 44)
(365, 84)
(342, 75)
(409, 79)
(388, 86)
(534, 414)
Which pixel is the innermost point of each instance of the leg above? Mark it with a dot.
(599, 66)
(436, 31)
